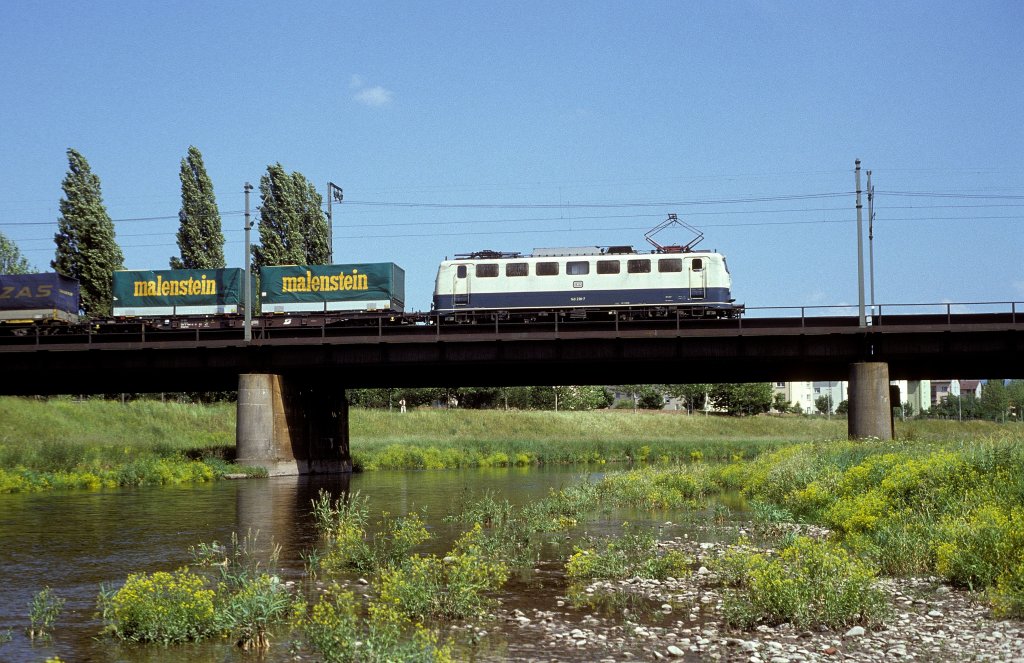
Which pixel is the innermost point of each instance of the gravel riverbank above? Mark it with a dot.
(929, 622)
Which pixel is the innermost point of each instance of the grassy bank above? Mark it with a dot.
(434, 439)
(63, 443)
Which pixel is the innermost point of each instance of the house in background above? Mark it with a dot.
(943, 389)
(800, 394)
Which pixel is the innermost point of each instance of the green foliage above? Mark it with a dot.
(655, 488)
(693, 395)
(451, 587)
(1007, 596)
(293, 228)
(11, 260)
(61, 444)
(85, 246)
(162, 607)
(343, 525)
(200, 239)
(742, 398)
(567, 398)
(977, 548)
(1015, 397)
(633, 554)
(252, 608)
(808, 584)
(995, 400)
(951, 509)
(334, 628)
(43, 611)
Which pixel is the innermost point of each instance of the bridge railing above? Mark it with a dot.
(903, 313)
(426, 325)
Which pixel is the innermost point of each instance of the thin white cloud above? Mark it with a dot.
(355, 82)
(374, 96)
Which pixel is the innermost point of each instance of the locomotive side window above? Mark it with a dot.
(547, 269)
(697, 264)
(517, 269)
(486, 270)
(670, 265)
(609, 266)
(577, 268)
(460, 271)
(638, 266)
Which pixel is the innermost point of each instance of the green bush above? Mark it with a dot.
(249, 612)
(334, 628)
(453, 587)
(343, 524)
(43, 612)
(976, 548)
(808, 584)
(162, 607)
(634, 554)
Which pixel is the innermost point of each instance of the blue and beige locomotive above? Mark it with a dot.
(588, 282)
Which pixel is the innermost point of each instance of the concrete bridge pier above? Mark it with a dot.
(290, 426)
(870, 413)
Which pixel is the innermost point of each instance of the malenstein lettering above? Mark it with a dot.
(311, 282)
(161, 287)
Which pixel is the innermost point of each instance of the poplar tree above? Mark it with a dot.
(86, 248)
(200, 239)
(11, 260)
(312, 221)
(293, 228)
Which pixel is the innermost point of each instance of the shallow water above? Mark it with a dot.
(75, 541)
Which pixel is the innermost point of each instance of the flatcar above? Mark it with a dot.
(585, 281)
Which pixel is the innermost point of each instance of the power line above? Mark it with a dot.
(128, 220)
(676, 203)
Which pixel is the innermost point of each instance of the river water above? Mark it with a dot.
(73, 542)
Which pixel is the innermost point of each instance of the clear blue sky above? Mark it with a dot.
(457, 126)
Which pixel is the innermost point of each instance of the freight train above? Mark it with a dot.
(575, 283)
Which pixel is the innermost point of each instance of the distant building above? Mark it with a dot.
(800, 394)
(943, 389)
(804, 394)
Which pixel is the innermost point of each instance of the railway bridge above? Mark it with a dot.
(291, 378)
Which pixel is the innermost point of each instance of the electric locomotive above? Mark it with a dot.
(592, 281)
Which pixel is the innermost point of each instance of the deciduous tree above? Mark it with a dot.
(86, 248)
(11, 260)
(200, 238)
(742, 398)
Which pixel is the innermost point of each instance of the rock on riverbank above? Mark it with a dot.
(930, 622)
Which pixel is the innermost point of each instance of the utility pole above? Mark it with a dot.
(248, 268)
(871, 238)
(860, 252)
(334, 193)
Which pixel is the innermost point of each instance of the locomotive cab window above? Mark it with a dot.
(638, 266)
(609, 266)
(487, 270)
(670, 265)
(577, 268)
(697, 264)
(460, 271)
(547, 269)
(517, 269)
